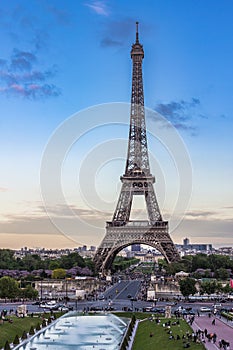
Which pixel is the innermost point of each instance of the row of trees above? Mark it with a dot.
(120, 263)
(188, 286)
(201, 265)
(32, 267)
(32, 262)
(10, 288)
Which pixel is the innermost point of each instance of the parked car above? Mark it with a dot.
(157, 310)
(205, 309)
(64, 308)
(49, 305)
(147, 309)
(96, 308)
(109, 308)
(172, 303)
(187, 312)
(217, 306)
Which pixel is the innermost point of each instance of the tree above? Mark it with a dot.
(29, 292)
(24, 335)
(162, 264)
(121, 263)
(7, 260)
(54, 264)
(208, 287)
(222, 273)
(90, 264)
(30, 262)
(59, 273)
(70, 260)
(227, 288)
(32, 331)
(200, 261)
(172, 269)
(187, 286)
(8, 288)
(16, 340)
(7, 346)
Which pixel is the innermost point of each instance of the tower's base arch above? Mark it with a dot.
(135, 232)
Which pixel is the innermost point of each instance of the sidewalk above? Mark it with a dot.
(130, 345)
(222, 329)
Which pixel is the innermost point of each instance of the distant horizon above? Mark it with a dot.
(64, 243)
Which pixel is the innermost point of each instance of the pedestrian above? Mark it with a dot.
(213, 322)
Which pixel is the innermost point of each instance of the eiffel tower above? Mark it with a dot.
(137, 180)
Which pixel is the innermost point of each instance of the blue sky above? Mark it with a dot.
(61, 59)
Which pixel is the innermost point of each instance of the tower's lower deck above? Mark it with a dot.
(120, 235)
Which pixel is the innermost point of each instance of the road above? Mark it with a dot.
(119, 296)
(123, 290)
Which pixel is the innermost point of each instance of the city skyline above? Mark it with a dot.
(65, 82)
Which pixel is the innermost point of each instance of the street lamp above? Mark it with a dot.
(66, 292)
(132, 303)
(41, 290)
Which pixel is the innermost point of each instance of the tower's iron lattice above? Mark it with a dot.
(137, 180)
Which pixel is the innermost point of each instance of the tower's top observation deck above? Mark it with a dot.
(137, 48)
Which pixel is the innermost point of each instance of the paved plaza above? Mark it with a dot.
(222, 328)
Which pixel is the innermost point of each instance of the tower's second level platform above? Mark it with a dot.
(137, 223)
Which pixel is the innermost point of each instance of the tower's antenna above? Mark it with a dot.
(137, 41)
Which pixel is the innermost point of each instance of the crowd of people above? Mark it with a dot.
(196, 336)
(206, 336)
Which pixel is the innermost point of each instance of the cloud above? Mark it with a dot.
(214, 229)
(20, 78)
(106, 42)
(181, 113)
(20, 24)
(3, 189)
(40, 39)
(200, 226)
(99, 7)
(71, 210)
(200, 213)
(117, 33)
(22, 60)
(61, 16)
(81, 225)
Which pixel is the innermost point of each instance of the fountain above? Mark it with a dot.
(81, 332)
